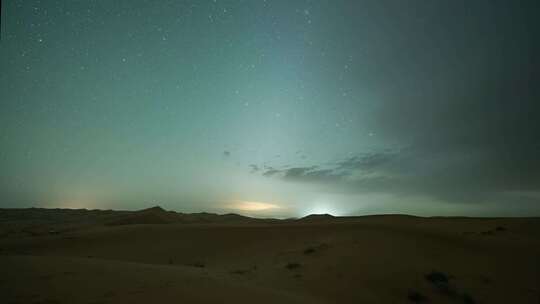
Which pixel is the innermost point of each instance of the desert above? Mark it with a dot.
(160, 256)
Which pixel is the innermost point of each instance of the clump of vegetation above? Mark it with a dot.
(313, 249)
(437, 277)
(292, 266)
(245, 270)
(197, 264)
(309, 250)
(441, 281)
(493, 231)
(416, 297)
(467, 299)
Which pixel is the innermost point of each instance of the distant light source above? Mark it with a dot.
(252, 206)
(322, 208)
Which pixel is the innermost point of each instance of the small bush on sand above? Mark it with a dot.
(467, 299)
(441, 281)
(416, 297)
(309, 250)
(197, 264)
(292, 266)
(437, 277)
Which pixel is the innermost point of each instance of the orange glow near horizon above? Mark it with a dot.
(252, 206)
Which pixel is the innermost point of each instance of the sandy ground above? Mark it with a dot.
(375, 259)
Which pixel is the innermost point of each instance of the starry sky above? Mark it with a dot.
(272, 108)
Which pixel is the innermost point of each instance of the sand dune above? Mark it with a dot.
(37, 279)
(373, 259)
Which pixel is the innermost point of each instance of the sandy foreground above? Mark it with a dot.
(373, 259)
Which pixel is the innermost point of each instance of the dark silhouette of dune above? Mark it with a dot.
(154, 215)
(42, 221)
(158, 215)
(317, 217)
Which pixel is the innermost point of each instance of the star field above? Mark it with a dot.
(352, 107)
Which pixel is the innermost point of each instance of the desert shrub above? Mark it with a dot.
(309, 250)
(441, 281)
(416, 297)
(197, 264)
(437, 277)
(292, 266)
(447, 290)
(467, 299)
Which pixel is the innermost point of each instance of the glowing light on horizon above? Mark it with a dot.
(323, 208)
(69, 205)
(252, 206)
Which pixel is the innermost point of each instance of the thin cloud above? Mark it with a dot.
(254, 168)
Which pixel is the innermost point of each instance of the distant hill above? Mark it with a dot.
(154, 215)
(158, 215)
(42, 221)
(317, 217)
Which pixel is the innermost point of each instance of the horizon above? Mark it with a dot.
(272, 109)
(259, 217)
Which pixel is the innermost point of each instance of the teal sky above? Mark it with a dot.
(270, 108)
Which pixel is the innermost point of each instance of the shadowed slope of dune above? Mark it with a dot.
(154, 215)
(157, 215)
(41, 221)
(317, 217)
(77, 280)
(372, 259)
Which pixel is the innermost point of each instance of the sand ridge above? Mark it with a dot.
(373, 259)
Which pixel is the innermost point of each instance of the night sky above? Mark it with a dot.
(272, 108)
